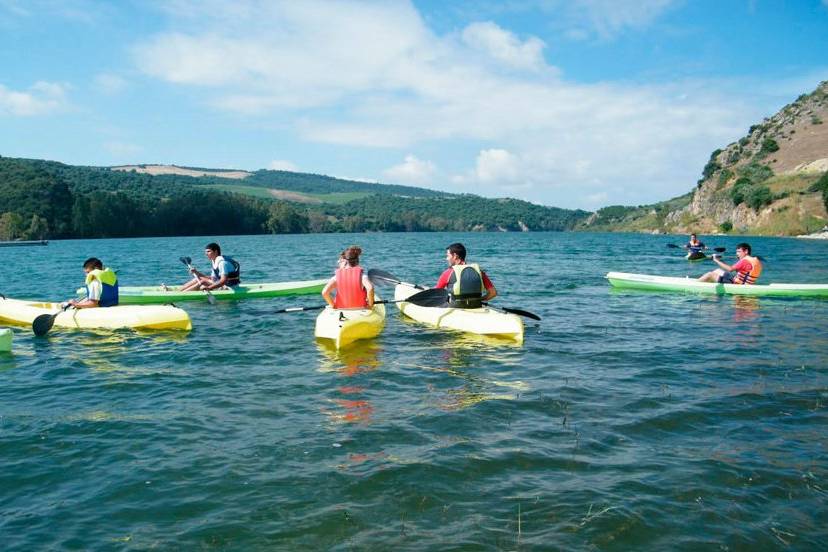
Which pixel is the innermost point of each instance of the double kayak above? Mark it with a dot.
(138, 317)
(344, 326)
(5, 340)
(483, 321)
(623, 280)
(148, 295)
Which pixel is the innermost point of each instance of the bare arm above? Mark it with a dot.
(326, 291)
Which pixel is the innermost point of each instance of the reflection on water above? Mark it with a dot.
(350, 405)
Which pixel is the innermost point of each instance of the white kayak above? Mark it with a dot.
(5, 340)
(139, 317)
(482, 321)
(344, 326)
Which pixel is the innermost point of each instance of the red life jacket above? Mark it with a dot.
(349, 291)
(749, 277)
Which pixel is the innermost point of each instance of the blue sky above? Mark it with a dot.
(572, 103)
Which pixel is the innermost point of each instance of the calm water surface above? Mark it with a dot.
(632, 419)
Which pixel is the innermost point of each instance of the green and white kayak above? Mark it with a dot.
(148, 295)
(623, 280)
(5, 340)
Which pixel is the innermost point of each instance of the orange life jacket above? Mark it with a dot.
(749, 278)
(349, 291)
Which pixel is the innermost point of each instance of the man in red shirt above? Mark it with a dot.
(747, 268)
(467, 284)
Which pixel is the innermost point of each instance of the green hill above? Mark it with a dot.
(46, 199)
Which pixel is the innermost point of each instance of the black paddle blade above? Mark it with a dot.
(436, 297)
(720, 249)
(43, 323)
(673, 246)
(376, 275)
(519, 312)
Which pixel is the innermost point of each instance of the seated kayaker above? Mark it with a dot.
(353, 288)
(101, 286)
(225, 271)
(747, 268)
(468, 286)
(694, 246)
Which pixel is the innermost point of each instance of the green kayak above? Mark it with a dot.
(623, 280)
(157, 294)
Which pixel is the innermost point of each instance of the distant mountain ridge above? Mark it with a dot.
(46, 199)
(770, 182)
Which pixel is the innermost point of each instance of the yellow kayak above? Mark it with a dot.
(139, 317)
(344, 326)
(482, 321)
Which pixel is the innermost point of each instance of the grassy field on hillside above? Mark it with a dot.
(256, 191)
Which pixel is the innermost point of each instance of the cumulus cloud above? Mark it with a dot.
(373, 75)
(40, 99)
(282, 165)
(412, 171)
(504, 46)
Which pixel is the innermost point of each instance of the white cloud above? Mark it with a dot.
(41, 98)
(375, 76)
(282, 165)
(109, 84)
(504, 46)
(411, 171)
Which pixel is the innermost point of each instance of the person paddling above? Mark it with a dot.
(225, 271)
(747, 268)
(694, 246)
(101, 286)
(468, 286)
(353, 288)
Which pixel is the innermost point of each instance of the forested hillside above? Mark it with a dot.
(45, 199)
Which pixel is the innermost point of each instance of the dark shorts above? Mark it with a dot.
(726, 278)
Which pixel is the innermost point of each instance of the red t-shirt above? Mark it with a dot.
(743, 265)
(444, 279)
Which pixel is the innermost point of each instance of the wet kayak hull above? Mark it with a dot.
(342, 327)
(624, 280)
(5, 340)
(483, 321)
(138, 317)
(150, 295)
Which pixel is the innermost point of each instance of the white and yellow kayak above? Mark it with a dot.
(482, 321)
(139, 317)
(5, 340)
(344, 326)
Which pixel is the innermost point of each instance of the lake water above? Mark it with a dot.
(626, 420)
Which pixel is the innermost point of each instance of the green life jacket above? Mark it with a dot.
(466, 286)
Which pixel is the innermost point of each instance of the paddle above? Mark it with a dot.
(43, 323)
(717, 249)
(376, 274)
(188, 261)
(426, 298)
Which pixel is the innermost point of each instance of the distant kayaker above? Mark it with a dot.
(468, 286)
(225, 271)
(353, 288)
(101, 286)
(694, 246)
(747, 268)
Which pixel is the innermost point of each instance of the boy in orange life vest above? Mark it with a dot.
(747, 268)
(353, 288)
(467, 291)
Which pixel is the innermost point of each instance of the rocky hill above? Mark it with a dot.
(770, 182)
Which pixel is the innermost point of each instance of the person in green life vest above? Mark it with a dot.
(468, 286)
(101, 286)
